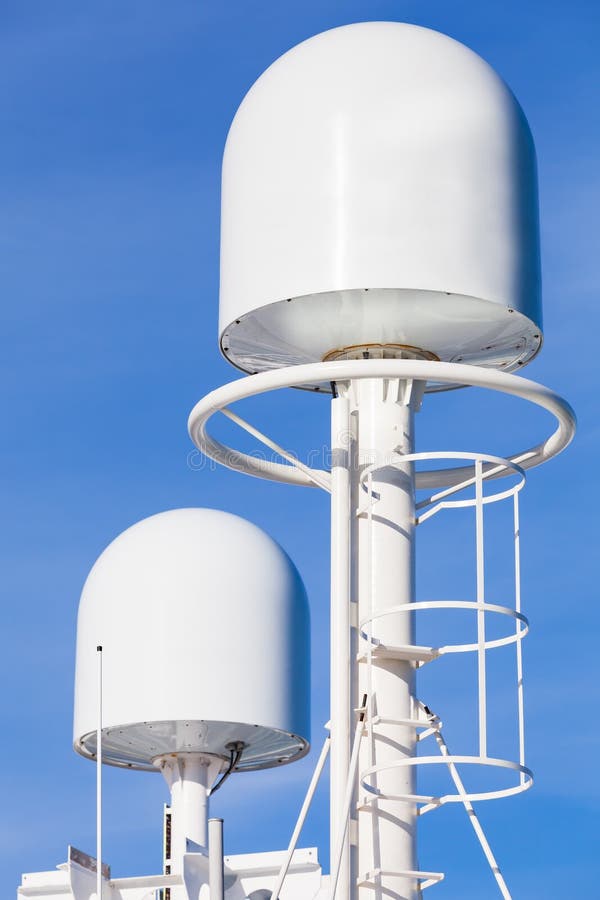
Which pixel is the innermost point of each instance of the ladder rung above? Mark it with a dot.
(408, 652)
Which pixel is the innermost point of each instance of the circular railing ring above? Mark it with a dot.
(524, 784)
(494, 463)
(347, 370)
(490, 644)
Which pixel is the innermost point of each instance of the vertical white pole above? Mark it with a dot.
(341, 703)
(481, 661)
(99, 780)
(458, 782)
(384, 562)
(216, 873)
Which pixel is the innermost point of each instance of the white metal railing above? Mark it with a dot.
(346, 370)
(374, 648)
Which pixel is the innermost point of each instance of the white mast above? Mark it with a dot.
(379, 556)
(373, 809)
(384, 564)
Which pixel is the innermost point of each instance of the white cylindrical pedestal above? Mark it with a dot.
(190, 777)
(215, 859)
(341, 724)
(384, 563)
(381, 833)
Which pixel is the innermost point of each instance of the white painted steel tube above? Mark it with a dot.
(190, 777)
(195, 786)
(216, 874)
(384, 542)
(341, 703)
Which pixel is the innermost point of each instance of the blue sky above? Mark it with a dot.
(113, 118)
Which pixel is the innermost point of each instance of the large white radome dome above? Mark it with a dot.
(379, 198)
(204, 624)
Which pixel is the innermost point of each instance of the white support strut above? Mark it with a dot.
(485, 846)
(301, 818)
(383, 551)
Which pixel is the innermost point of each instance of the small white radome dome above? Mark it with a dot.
(379, 192)
(204, 624)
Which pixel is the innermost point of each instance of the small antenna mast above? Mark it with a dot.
(99, 779)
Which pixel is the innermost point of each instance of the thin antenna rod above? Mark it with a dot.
(99, 781)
